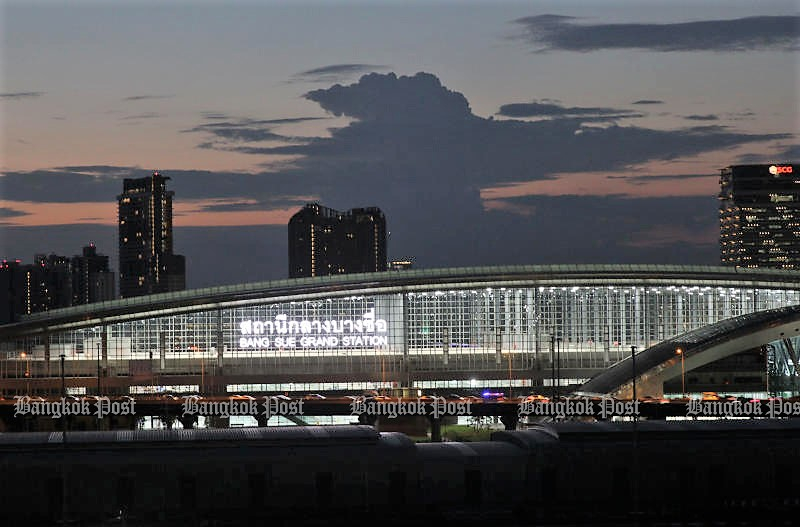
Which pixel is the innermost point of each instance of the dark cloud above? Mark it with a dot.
(215, 115)
(688, 226)
(550, 110)
(707, 117)
(146, 97)
(642, 179)
(146, 115)
(786, 154)
(647, 101)
(66, 184)
(21, 95)
(335, 72)
(375, 97)
(104, 183)
(413, 130)
(752, 158)
(746, 115)
(233, 131)
(554, 32)
(6, 212)
(789, 153)
(264, 203)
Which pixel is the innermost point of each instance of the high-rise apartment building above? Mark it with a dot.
(92, 280)
(53, 282)
(760, 216)
(146, 262)
(323, 241)
(30, 288)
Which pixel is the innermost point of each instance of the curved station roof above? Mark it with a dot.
(300, 289)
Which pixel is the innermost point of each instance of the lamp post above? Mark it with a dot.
(27, 369)
(98, 369)
(633, 366)
(202, 368)
(63, 396)
(679, 351)
(509, 373)
(553, 365)
(558, 364)
(635, 438)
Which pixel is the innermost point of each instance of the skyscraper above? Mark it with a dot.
(760, 216)
(324, 241)
(146, 262)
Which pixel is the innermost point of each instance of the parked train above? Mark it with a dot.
(564, 472)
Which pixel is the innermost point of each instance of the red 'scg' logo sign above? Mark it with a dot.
(775, 170)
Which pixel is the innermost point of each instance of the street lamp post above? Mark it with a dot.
(679, 351)
(553, 365)
(509, 374)
(98, 369)
(63, 396)
(27, 370)
(558, 364)
(635, 438)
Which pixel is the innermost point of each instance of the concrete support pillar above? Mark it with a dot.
(188, 421)
(46, 338)
(168, 420)
(436, 429)
(510, 421)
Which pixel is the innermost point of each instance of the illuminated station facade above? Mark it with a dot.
(445, 331)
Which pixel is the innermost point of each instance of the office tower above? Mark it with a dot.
(323, 241)
(760, 216)
(92, 280)
(146, 262)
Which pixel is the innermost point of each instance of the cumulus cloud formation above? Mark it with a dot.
(550, 110)
(21, 95)
(389, 98)
(555, 32)
(335, 72)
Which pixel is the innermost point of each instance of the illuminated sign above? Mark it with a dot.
(284, 333)
(777, 170)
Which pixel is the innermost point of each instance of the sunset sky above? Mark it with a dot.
(489, 132)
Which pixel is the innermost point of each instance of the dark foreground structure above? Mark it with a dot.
(567, 472)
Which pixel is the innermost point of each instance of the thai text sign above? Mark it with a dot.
(283, 332)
